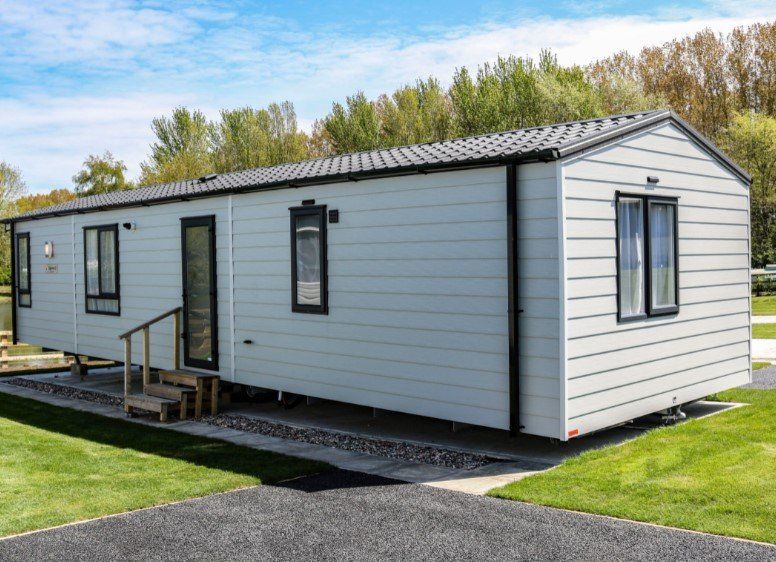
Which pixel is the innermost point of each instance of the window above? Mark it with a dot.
(647, 272)
(23, 273)
(308, 260)
(101, 269)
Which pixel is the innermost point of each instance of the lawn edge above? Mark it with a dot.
(120, 513)
(636, 521)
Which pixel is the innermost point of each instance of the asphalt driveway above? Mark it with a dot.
(352, 516)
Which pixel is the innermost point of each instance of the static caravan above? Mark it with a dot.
(555, 281)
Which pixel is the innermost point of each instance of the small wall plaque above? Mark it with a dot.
(334, 215)
(50, 268)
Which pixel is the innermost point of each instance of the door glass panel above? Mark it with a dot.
(199, 319)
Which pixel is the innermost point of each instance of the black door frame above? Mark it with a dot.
(210, 222)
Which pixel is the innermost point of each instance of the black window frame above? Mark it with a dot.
(100, 295)
(646, 201)
(19, 290)
(320, 212)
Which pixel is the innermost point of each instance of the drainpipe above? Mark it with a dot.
(512, 285)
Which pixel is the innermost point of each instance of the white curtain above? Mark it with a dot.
(308, 262)
(108, 261)
(24, 266)
(92, 274)
(631, 240)
(663, 260)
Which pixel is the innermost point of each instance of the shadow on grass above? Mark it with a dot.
(211, 453)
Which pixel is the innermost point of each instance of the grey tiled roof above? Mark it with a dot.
(538, 143)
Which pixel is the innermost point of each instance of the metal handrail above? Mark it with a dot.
(152, 321)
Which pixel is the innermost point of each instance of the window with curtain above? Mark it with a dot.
(308, 259)
(23, 273)
(647, 271)
(101, 263)
(630, 235)
(662, 249)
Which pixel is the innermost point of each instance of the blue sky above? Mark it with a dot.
(85, 76)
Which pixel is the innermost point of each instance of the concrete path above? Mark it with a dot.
(343, 515)
(763, 319)
(764, 350)
(477, 481)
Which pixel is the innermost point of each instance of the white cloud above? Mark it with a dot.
(89, 76)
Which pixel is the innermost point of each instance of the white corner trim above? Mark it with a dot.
(562, 291)
(232, 369)
(75, 285)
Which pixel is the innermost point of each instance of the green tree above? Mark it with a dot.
(352, 127)
(248, 138)
(750, 140)
(101, 174)
(181, 150)
(12, 186)
(415, 114)
(34, 201)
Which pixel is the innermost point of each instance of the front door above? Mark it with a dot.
(200, 329)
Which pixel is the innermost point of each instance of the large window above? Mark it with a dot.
(101, 265)
(647, 270)
(23, 274)
(308, 259)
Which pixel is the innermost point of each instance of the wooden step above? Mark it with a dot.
(181, 376)
(150, 403)
(168, 391)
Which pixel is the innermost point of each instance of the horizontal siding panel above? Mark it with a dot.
(643, 406)
(653, 332)
(675, 364)
(620, 358)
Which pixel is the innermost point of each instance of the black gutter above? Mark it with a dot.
(512, 287)
(13, 283)
(544, 155)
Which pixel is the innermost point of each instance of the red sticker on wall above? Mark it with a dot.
(573, 432)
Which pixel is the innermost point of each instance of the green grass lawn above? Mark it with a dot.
(59, 465)
(758, 365)
(714, 474)
(764, 306)
(764, 331)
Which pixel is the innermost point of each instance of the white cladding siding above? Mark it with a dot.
(538, 298)
(417, 292)
(149, 281)
(417, 296)
(616, 372)
(49, 322)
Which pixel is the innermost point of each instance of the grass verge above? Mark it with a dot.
(764, 306)
(759, 365)
(60, 465)
(713, 474)
(764, 331)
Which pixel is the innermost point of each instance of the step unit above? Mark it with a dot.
(151, 404)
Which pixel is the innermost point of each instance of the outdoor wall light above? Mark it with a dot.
(131, 226)
(48, 249)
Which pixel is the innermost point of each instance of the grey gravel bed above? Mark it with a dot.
(67, 391)
(384, 448)
(447, 458)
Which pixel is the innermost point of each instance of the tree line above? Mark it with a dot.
(723, 85)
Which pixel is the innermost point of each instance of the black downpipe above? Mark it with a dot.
(512, 257)
(14, 340)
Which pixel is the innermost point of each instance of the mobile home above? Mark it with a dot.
(554, 281)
